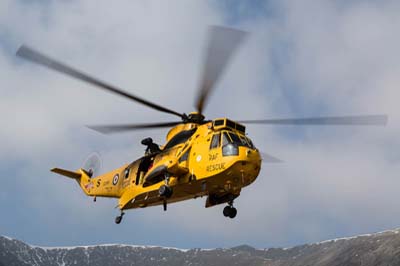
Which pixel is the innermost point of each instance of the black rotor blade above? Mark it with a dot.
(41, 59)
(357, 120)
(222, 44)
(111, 129)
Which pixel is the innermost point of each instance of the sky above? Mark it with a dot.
(302, 58)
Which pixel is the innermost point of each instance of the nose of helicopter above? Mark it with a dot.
(253, 155)
(250, 166)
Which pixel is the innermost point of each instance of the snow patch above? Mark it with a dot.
(395, 231)
(109, 245)
(8, 238)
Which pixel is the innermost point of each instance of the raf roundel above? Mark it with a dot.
(115, 179)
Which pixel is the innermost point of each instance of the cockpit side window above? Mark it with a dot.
(225, 139)
(180, 138)
(250, 143)
(215, 142)
(126, 172)
(244, 141)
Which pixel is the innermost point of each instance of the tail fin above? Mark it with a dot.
(81, 176)
(91, 168)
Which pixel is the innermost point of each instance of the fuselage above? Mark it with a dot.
(214, 159)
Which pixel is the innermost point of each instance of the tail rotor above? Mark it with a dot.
(92, 164)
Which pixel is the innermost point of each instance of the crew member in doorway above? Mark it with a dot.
(151, 146)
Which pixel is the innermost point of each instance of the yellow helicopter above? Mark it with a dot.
(213, 158)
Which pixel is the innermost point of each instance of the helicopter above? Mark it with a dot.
(212, 158)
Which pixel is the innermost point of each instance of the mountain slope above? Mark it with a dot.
(367, 250)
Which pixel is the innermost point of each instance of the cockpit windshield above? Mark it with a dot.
(180, 138)
(240, 140)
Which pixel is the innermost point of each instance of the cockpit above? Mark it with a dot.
(230, 141)
(230, 135)
(226, 137)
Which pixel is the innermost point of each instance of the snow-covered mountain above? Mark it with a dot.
(381, 249)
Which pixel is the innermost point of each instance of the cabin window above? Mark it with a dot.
(180, 138)
(126, 173)
(219, 122)
(230, 124)
(225, 139)
(241, 128)
(138, 176)
(185, 156)
(215, 142)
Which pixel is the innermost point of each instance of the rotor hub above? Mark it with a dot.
(195, 117)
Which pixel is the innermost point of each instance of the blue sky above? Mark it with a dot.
(301, 59)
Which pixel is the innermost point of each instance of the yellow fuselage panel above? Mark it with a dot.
(175, 130)
(111, 184)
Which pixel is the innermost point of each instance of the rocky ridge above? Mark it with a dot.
(379, 249)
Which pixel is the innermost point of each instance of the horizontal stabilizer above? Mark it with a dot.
(70, 174)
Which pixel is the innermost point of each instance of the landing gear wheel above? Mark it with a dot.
(226, 211)
(233, 213)
(230, 212)
(165, 191)
(118, 219)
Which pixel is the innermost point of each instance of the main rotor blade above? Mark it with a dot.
(357, 120)
(267, 158)
(112, 129)
(222, 44)
(44, 60)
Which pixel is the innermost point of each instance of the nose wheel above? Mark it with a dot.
(165, 191)
(230, 211)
